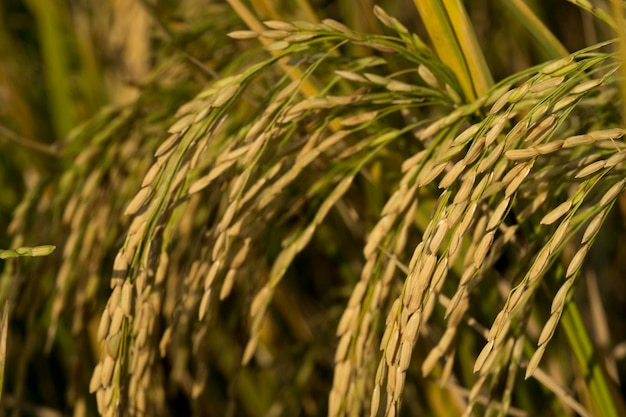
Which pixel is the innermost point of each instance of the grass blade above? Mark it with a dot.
(537, 29)
(455, 41)
(472, 53)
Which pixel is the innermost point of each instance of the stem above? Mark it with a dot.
(605, 404)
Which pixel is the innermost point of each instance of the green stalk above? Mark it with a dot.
(544, 37)
(50, 28)
(589, 364)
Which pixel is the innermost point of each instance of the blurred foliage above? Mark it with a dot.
(190, 179)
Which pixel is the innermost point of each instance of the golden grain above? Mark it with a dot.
(359, 118)
(466, 188)
(432, 129)
(342, 347)
(375, 401)
(593, 227)
(406, 350)
(335, 25)
(580, 140)
(274, 34)
(474, 152)
(559, 235)
(538, 266)
(466, 135)
(138, 201)
(549, 328)
(112, 344)
(101, 405)
(96, 379)
(278, 46)
(521, 154)
(204, 304)
(559, 299)
(126, 298)
(538, 112)
(557, 213)
(439, 235)
(227, 285)
(556, 65)
(394, 310)
(400, 86)
(491, 158)
(546, 84)
(181, 125)
(377, 79)
(242, 34)
(482, 248)
(426, 176)
(577, 261)
(564, 103)
(103, 326)
(518, 179)
(496, 129)
(518, 93)
(482, 357)
(391, 384)
(500, 102)
(497, 214)
(479, 189)
(413, 162)
(537, 133)
(612, 192)
(590, 169)
(427, 269)
(517, 133)
(212, 274)
(106, 371)
(279, 25)
(342, 377)
(400, 377)
(458, 314)
(448, 337)
(349, 317)
(607, 134)
(141, 337)
(615, 159)
(534, 361)
(427, 75)
(455, 212)
(300, 37)
(351, 76)
(586, 86)
(249, 350)
(392, 344)
(549, 147)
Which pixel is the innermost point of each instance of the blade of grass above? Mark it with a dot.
(472, 53)
(49, 27)
(606, 404)
(595, 11)
(442, 35)
(552, 47)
